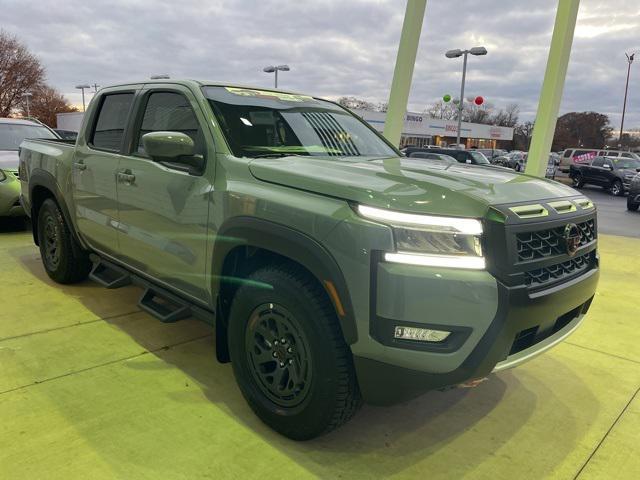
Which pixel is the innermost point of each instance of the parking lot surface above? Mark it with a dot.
(613, 216)
(88, 383)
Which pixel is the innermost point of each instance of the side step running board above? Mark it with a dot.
(108, 275)
(165, 307)
(157, 301)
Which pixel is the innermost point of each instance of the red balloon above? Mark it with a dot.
(479, 100)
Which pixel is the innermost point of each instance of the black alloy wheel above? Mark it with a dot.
(278, 352)
(617, 188)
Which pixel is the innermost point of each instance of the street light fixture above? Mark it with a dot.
(274, 69)
(83, 87)
(162, 76)
(626, 88)
(27, 96)
(455, 54)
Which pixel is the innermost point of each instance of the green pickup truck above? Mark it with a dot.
(334, 269)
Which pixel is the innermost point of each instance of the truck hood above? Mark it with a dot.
(408, 184)
(9, 160)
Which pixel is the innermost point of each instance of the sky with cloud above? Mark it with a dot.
(335, 48)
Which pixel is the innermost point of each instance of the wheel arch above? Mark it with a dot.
(242, 235)
(43, 185)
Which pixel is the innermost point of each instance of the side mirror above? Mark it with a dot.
(173, 149)
(167, 145)
(468, 161)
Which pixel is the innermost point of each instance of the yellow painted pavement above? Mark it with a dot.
(92, 388)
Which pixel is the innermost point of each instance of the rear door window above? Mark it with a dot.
(112, 121)
(597, 162)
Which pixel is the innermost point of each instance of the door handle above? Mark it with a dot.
(79, 165)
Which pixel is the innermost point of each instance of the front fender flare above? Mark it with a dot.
(295, 245)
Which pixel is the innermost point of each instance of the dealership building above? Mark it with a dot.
(419, 129)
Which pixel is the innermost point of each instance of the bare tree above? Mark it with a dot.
(356, 103)
(477, 113)
(440, 109)
(507, 117)
(45, 103)
(20, 72)
(522, 136)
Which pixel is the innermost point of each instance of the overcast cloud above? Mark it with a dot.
(335, 47)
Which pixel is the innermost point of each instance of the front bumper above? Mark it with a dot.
(524, 325)
(10, 205)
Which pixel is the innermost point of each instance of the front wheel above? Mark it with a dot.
(288, 353)
(631, 205)
(62, 257)
(616, 188)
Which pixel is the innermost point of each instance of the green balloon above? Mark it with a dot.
(447, 98)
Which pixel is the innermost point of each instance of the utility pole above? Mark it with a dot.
(626, 89)
(95, 87)
(83, 87)
(27, 96)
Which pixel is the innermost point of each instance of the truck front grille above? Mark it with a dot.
(546, 243)
(559, 272)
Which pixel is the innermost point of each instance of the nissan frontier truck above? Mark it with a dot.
(334, 270)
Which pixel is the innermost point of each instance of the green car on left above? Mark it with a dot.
(12, 132)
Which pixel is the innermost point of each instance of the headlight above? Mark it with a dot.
(431, 240)
(3, 176)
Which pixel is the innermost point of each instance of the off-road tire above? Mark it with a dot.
(62, 257)
(332, 395)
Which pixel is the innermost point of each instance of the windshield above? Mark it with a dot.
(479, 158)
(12, 134)
(259, 123)
(626, 163)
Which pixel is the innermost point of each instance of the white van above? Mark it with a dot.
(585, 155)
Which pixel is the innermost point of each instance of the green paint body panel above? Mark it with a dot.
(169, 225)
(9, 194)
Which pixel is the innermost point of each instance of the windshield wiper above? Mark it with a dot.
(277, 155)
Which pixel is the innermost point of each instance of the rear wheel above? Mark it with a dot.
(631, 205)
(288, 354)
(616, 188)
(62, 257)
(578, 180)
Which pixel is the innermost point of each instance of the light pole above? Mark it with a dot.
(27, 96)
(463, 53)
(274, 69)
(160, 76)
(626, 88)
(82, 87)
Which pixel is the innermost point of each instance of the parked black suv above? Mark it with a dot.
(612, 173)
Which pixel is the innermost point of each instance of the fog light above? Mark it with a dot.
(420, 334)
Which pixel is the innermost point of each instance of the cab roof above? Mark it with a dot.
(201, 83)
(21, 121)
